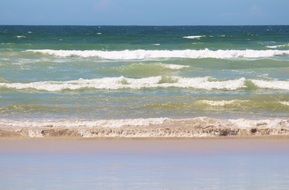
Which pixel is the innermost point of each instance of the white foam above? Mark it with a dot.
(272, 84)
(174, 66)
(285, 103)
(115, 83)
(156, 44)
(221, 103)
(156, 54)
(83, 123)
(247, 123)
(193, 37)
(278, 46)
(34, 128)
(20, 37)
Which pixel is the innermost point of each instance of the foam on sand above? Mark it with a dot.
(156, 54)
(151, 127)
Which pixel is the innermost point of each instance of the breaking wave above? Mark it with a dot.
(278, 46)
(225, 105)
(222, 103)
(155, 54)
(272, 84)
(173, 66)
(114, 83)
(193, 37)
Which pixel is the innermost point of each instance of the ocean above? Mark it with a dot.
(141, 74)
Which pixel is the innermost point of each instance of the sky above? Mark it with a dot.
(144, 12)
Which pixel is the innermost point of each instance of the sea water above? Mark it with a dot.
(134, 72)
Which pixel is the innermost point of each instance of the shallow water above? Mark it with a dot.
(102, 72)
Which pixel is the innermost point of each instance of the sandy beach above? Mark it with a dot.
(78, 163)
(145, 145)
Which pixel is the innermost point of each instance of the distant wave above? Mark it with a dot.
(19, 37)
(173, 66)
(278, 46)
(155, 54)
(193, 37)
(114, 83)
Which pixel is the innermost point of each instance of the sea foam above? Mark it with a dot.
(193, 37)
(115, 83)
(150, 127)
(156, 54)
(174, 66)
(285, 103)
(114, 123)
(278, 46)
(221, 103)
(272, 84)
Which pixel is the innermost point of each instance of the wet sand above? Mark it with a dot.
(136, 145)
(120, 164)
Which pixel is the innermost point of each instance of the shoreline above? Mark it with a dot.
(201, 127)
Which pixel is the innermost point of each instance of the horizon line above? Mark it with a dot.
(137, 25)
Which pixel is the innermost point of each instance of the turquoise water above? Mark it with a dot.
(106, 72)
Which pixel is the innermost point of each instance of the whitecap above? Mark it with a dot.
(174, 66)
(278, 46)
(193, 37)
(285, 103)
(115, 83)
(19, 37)
(221, 103)
(271, 84)
(157, 54)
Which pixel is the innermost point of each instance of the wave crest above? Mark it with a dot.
(156, 54)
(193, 37)
(115, 83)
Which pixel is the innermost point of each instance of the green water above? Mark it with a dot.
(96, 79)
